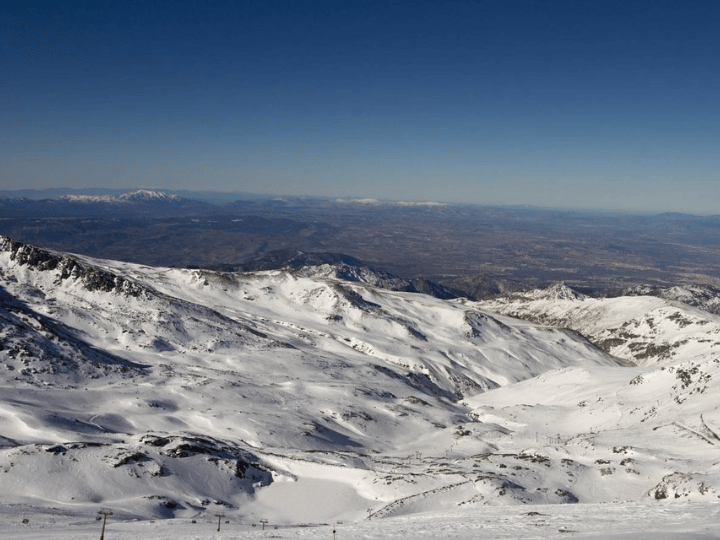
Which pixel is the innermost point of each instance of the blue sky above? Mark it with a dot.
(607, 105)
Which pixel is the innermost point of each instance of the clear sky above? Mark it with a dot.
(594, 104)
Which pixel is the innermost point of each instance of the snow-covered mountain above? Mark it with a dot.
(137, 196)
(342, 267)
(312, 395)
(705, 297)
(659, 327)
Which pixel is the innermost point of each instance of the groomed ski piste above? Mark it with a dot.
(304, 401)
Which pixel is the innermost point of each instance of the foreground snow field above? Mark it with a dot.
(313, 397)
(630, 521)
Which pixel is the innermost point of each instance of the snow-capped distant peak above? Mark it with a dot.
(143, 195)
(140, 195)
(378, 202)
(86, 198)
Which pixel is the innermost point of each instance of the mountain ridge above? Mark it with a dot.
(243, 391)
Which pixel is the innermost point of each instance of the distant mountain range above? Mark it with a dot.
(139, 196)
(139, 203)
(59, 193)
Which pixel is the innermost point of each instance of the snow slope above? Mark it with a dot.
(304, 398)
(645, 329)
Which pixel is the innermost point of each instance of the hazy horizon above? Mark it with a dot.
(230, 196)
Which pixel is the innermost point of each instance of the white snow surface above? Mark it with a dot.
(305, 400)
(647, 330)
(630, 521)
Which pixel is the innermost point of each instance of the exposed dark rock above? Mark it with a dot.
(94, 279)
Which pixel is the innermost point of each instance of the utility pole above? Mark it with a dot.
(334, 527)
(263, 521)
(219, 516)
(105, 513)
